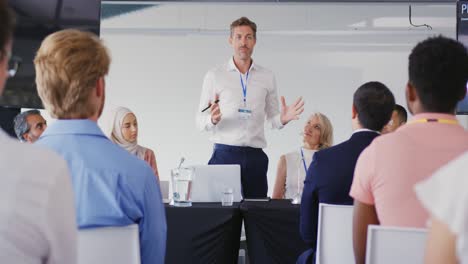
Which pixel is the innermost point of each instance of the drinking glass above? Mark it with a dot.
(227, 197)
(182, 186)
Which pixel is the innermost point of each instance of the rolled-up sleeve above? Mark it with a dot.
(272, 110)
(207, 95)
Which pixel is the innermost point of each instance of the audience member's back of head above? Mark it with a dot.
(401, 112)
(438, 70)
(374, 104)
(68, 64)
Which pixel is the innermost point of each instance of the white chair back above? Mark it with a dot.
(334, 236)
(116, 245)
(387, 245)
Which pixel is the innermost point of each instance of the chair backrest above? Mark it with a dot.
(209, 182)
(395, 245)
(164, 185)
(116, 245)
(334, 236)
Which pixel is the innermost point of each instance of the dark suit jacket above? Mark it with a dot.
(328, 180)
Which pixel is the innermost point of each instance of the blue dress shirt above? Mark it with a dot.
(111, 186)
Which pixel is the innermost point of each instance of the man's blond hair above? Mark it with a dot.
(68, 65)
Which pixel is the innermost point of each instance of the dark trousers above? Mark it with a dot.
(253, 163)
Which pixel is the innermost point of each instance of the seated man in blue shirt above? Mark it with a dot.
(111, 186)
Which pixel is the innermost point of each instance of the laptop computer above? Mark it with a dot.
(209, 182)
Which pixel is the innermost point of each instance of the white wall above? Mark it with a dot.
(322, 52)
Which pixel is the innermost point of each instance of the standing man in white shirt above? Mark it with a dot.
(37, 213)
(239, 95)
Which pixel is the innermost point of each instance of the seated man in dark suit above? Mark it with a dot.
(330, 174)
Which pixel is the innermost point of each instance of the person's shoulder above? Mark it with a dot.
(292, 153)
(31, 159)
(390, 140)
(263, 69)
(290, 157)
(149, 151)
(127, 161)
(133, 171)
(111, 157)
(331, 150)
(18, 150)
(217, 69)
(323, 155)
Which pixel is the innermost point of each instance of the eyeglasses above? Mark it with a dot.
(14, 62)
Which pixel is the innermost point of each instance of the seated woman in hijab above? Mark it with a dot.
(124, 132)
(292, 167)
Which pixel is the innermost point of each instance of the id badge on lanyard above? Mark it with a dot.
(244, 112)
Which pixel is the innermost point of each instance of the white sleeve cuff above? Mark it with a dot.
(276, 122)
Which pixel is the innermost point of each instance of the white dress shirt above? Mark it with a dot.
(37, 212)
(365, 130)
(261, 99)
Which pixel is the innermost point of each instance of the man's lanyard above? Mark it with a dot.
(303, 161)
(435, 120)
(244, 86)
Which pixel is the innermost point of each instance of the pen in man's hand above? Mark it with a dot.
(217, 101)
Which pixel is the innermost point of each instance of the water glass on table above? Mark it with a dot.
(182, 186)
(227, 197)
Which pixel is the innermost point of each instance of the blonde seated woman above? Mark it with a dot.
(292, 167)
(124, 132)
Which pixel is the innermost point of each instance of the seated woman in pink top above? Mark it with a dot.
(124, 132)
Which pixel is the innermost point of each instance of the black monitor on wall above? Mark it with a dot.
(35, 19)
(462, 36)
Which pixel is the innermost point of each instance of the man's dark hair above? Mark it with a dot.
(402, 114)
(7, 24)
(438, 70)
(374, 104)
(21, 124)
(243, 21)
